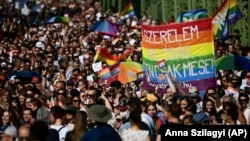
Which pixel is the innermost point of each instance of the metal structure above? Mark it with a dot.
(163, 10)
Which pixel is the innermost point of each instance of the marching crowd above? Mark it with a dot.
(64, 104)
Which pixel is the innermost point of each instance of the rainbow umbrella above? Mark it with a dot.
(107, 28)
(57, 19)
(233, 62)
(126, 71)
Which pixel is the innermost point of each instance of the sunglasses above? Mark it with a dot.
(77, 101)
(242, 100)
(60, 93)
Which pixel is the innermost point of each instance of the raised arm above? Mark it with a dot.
(170, 83)
(178, 86)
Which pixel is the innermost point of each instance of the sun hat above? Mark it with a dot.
(99, 113)
(11, 131)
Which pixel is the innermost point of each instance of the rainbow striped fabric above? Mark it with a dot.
(228, 13)
(192, 15)
(187, 48)
(103, 55)
(128, 10)
(104, 73)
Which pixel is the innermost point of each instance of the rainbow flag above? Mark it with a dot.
(128, 10)
(103, 55)
(192, 15)
(162, 77)
(187, 48)
(141, 75)
(104, 73)
(228, 13)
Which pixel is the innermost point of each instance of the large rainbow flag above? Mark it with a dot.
(188, 50)
(228, 13)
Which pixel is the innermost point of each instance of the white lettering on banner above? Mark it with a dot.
(166, 36)
(188, 68)
(186, 85)
(160, 85)
(164, 85)
(152, 69)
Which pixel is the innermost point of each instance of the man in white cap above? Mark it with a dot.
(9, 134)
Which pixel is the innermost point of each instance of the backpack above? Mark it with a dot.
(60, 129)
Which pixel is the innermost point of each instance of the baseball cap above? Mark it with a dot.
(11, 131)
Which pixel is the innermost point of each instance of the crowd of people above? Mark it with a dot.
(63, 104)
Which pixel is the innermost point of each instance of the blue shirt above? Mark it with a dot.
(101, 133)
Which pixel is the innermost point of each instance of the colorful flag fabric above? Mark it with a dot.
(141, 75)
(128, 10)
(162, 77)
(162, 64)
(124, 72)
(192, 15)
(132, 73)
(126, 13)
(129, 58)
(115, 71)
(104, 73)
(103, 55)
(188, 48)
(228, 13)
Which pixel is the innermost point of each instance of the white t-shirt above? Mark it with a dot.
(133, 135)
